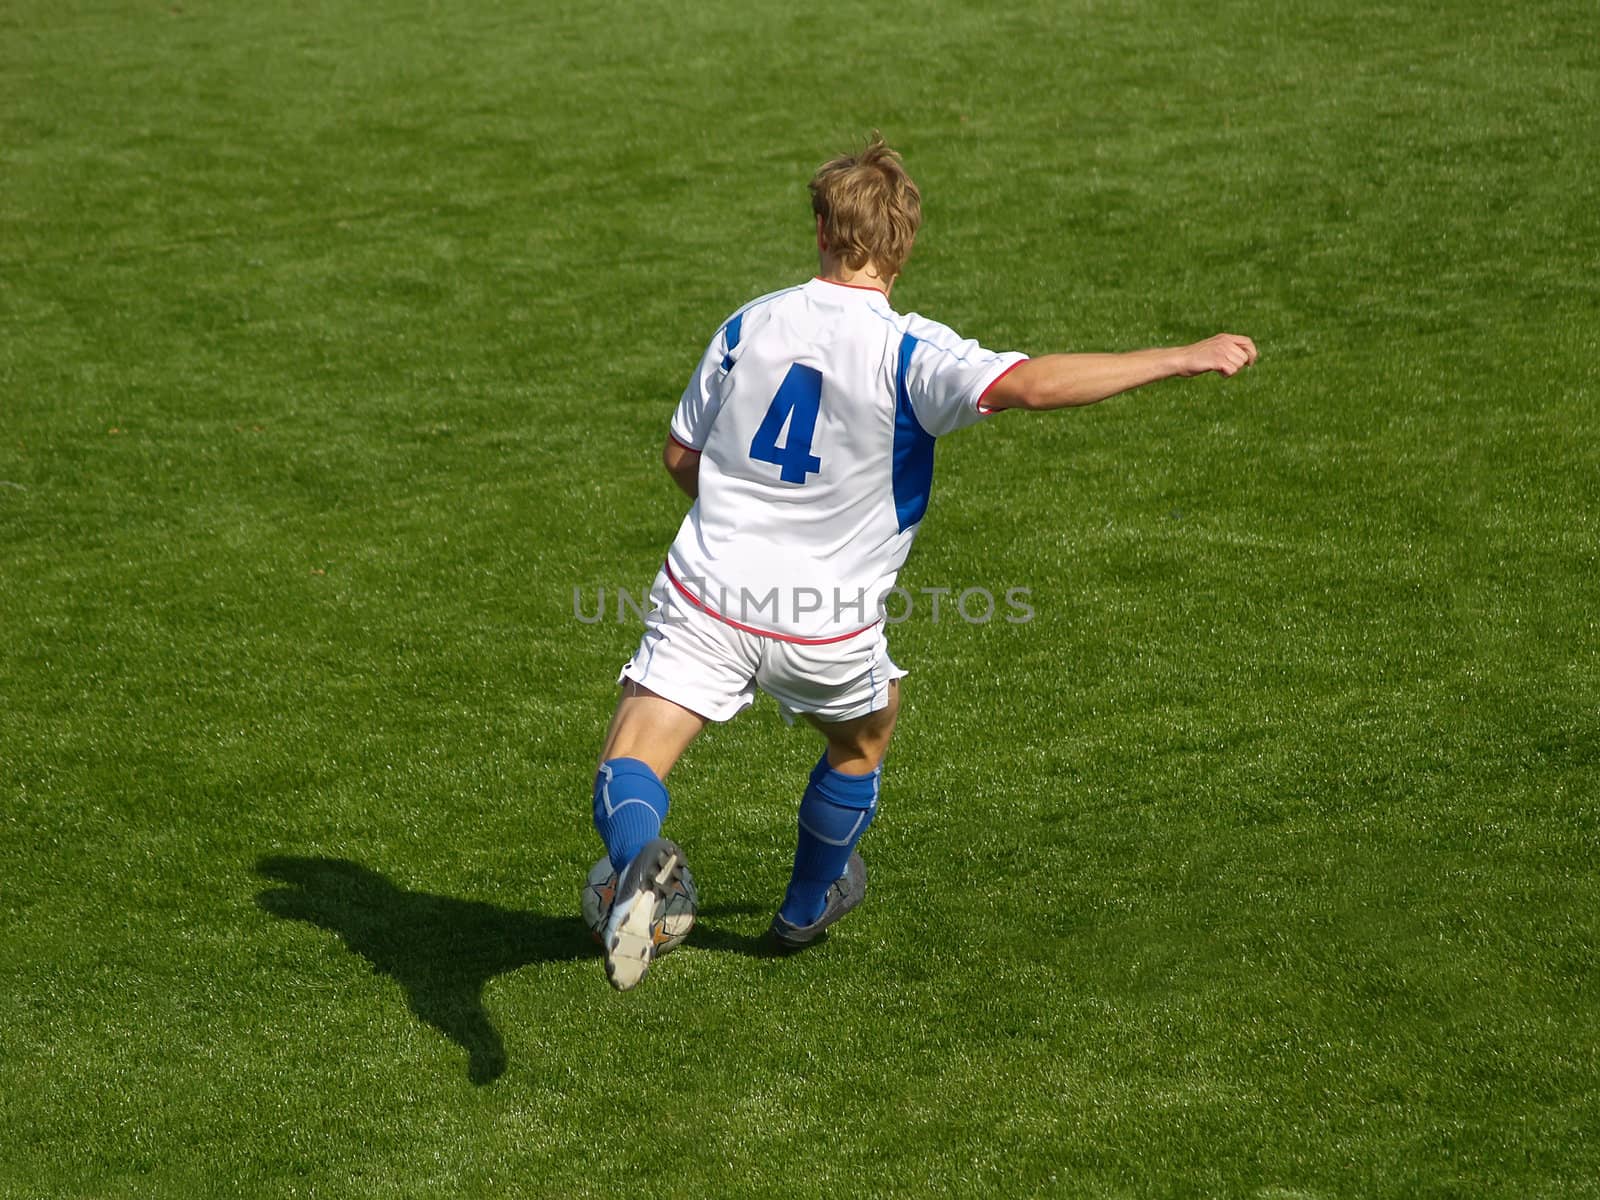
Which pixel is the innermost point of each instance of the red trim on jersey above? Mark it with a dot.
(855, 287)
(782, 637)
(985, 409)
(675, 438)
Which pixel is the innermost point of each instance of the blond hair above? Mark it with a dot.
(870, 208)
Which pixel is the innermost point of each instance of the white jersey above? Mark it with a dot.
(815, 410)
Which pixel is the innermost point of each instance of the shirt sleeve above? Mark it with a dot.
(702, 400)
(948, 375)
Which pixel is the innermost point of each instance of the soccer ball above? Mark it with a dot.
(671, 926)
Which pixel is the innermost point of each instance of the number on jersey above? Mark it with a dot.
(795, 406)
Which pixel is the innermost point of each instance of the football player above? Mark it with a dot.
(805, 439)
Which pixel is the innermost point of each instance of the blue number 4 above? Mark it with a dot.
(799, 396)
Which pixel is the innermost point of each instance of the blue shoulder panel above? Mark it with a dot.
(913, 448)
(733, 339)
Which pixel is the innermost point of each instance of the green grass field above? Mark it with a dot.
(337, 344)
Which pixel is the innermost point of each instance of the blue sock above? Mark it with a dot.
(630, 802)
(834, 813)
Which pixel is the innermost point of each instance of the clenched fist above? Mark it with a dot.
(1225, 353)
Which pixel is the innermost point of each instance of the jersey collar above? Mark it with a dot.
(834, 286)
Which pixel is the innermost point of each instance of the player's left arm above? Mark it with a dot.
(1073, 380)
(683, 464)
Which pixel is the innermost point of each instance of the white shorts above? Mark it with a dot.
(713, 669)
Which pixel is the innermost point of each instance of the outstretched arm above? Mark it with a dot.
(1068, 380)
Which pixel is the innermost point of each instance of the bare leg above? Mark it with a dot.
(857, 747)
(650, 728)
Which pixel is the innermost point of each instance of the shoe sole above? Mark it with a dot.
(630, 945)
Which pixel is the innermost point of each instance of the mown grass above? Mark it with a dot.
(338, 346)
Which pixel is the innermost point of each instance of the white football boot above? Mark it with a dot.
(642, 891)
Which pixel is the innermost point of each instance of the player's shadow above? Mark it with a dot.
(441, 951)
